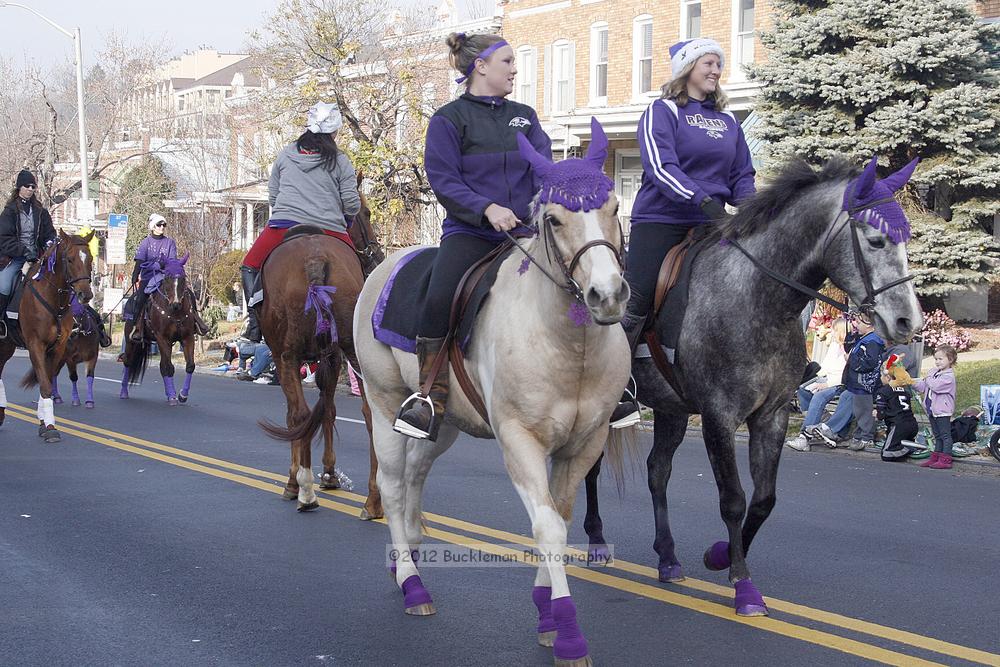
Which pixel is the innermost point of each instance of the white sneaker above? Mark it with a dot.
(826, 434)
(800, 443)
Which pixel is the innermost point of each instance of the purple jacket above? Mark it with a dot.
(939, 392)
(689, 153)
(472, 161)
(151, 248)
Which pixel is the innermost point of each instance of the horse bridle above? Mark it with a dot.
(569, 284)
(866, 306)
(367, 253)
(57, 314)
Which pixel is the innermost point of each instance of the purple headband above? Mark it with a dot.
(483, 55)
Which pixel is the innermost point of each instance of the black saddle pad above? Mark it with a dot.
(300, 230)
(401, 303)
(675, 303)
(11, 314)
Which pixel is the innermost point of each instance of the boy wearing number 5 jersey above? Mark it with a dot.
(893, 407)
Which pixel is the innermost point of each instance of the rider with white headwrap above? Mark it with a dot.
(312, 182)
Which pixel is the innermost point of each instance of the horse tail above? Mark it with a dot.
(622, 446)
(30, 379)
(136, 362)
(318, 297)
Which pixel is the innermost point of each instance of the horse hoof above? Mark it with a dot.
(172, 401)
(328, 481)
(598, 555)
(547, 638)
(370, 515)
(289, 494)
(182, 398)
(308, 507)
(50, 434)
(748, 600)
(671, 574)
(579, 662)
(89, 405)
(123, 395)
(717, 556)
(421, 610)
(57, 400)
(75, 403)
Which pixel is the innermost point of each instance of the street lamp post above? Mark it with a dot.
(81, 119)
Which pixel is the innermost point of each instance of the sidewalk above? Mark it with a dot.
(976, 355)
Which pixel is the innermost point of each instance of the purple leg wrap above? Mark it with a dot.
(670, 572)
(569, 644)
(90, 388)
(717, 556)
(414, 592)
(124, 391)
(168, 387)
(76, 395)
(186, 389)
(598, 554)
(748, 600)
(542, 597)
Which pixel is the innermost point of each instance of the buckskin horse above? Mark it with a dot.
(169, 319)
(311, 283)
(741, 348)
(547, 373)
(83, 348)
(46, 321)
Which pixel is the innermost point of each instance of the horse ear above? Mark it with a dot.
(895, 181)
(63, 236)
(534, 158)
(597, 152)
(867, 179)
(88, 236)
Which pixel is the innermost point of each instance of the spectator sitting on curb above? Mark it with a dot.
(262, 361)
(815, 394)
(892, 404)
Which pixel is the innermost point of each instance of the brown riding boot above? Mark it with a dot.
(420, 416)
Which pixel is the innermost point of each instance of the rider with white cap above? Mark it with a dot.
(312, 182)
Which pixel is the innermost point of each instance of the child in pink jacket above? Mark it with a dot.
(939, 401)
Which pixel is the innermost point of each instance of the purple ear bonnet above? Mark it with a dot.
(887, 216)
(576, 184)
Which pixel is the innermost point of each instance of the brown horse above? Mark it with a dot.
(169, 319)
(83, 347)
(311, 285)
(46, 322)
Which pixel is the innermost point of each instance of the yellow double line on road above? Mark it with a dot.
(239, 473)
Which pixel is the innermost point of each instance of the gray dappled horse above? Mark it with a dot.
(742, 350)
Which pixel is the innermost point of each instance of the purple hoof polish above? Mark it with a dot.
(671, 573)
(542, 597)
(748, 600)
(570, 643)
(717, 556)
(89, 405)
(416, 599)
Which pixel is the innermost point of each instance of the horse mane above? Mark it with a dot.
(795, 176)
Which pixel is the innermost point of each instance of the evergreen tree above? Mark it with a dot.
(900, 79)
(141, 191)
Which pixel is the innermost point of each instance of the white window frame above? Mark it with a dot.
(625, 211)
(597, 100)
(526, 82)
(569, 79)
(638, 25)
(738, 38)
(685, 13)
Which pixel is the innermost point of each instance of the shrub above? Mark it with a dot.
(939, 329)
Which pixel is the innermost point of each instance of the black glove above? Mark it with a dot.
(713, 210)
(31, 256)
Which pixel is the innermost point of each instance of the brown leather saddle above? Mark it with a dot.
(452, 350)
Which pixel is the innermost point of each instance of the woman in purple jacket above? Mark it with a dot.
(695, 160)
(485, 186)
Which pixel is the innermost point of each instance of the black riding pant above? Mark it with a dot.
(139, 302)
(648, 244)
(457, 254)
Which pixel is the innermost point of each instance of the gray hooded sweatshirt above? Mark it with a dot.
(301, 190)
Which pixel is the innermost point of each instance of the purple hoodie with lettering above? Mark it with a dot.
(690, 153)
(472, 161)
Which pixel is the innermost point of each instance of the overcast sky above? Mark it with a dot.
(184, 24)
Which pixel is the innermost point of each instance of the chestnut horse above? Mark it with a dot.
(311, 284)
(46, 322)
(83, 347)
(170, 319)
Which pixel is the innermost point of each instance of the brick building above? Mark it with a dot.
(608, 58)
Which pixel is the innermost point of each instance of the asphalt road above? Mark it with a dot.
(154, 535)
